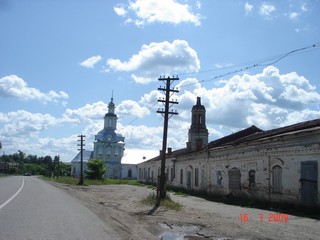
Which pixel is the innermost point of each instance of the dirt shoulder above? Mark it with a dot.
(120, 206)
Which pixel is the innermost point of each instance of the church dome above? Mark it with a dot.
(109, 136)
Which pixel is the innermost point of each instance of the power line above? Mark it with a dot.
(249, 65)
(259, 63)
(142, 114)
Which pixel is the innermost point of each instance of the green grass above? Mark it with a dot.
(167, 202)
(75, 181)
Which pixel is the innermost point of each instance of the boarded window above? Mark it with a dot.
(252, 179)
(234, 179)
(277, 179)
(181, 176)
(196, 177)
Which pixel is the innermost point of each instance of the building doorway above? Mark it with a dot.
(309, 184)
(234, 179)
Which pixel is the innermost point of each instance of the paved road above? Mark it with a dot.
(33, 209)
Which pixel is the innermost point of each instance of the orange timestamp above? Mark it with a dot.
(271, 217)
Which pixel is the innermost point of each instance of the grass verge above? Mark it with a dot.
(167, 202)
(75, 181)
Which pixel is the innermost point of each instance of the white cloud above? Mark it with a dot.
(248, 7)
(120, 10)
(266, 10)
(87, 113)
(304, 7)
(157, 59)
(90, 62)
(293, 15)
(25, 124)
(268, 100)
(13, 86)
(131, 108)
(154, 11)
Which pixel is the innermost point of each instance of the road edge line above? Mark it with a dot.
(13, 196)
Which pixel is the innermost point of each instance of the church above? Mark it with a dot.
(108, 146)
(278, 165)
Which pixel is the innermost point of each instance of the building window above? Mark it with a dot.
(202, 178)
(108, 151)
(129, 173)
(181, 176)
(234, 179)
(99, 152)
(196, 177)
(252, 179)
(116, 152)
(277, 179)
(172, 174)
(219, 178)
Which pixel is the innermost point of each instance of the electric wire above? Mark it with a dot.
(257, 63)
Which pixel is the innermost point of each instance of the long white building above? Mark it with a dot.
(279, 165)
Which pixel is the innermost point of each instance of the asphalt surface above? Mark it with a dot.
(33, 209)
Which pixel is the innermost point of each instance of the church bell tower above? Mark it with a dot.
(198, 132)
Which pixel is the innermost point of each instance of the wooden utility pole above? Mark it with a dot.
(81, 157)
(166, 113)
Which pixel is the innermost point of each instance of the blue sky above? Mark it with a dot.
(61, 60)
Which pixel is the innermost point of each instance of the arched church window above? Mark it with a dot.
(108, 151)
(99, 153)
(116, 152)
(200, 119)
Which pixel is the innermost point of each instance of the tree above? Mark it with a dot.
(96, 169)
(62, 169)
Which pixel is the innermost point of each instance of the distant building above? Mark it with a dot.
(279, 165)
(128, 171)
(75, 163)
(108, 146)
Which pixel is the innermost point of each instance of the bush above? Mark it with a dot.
(96, 169)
